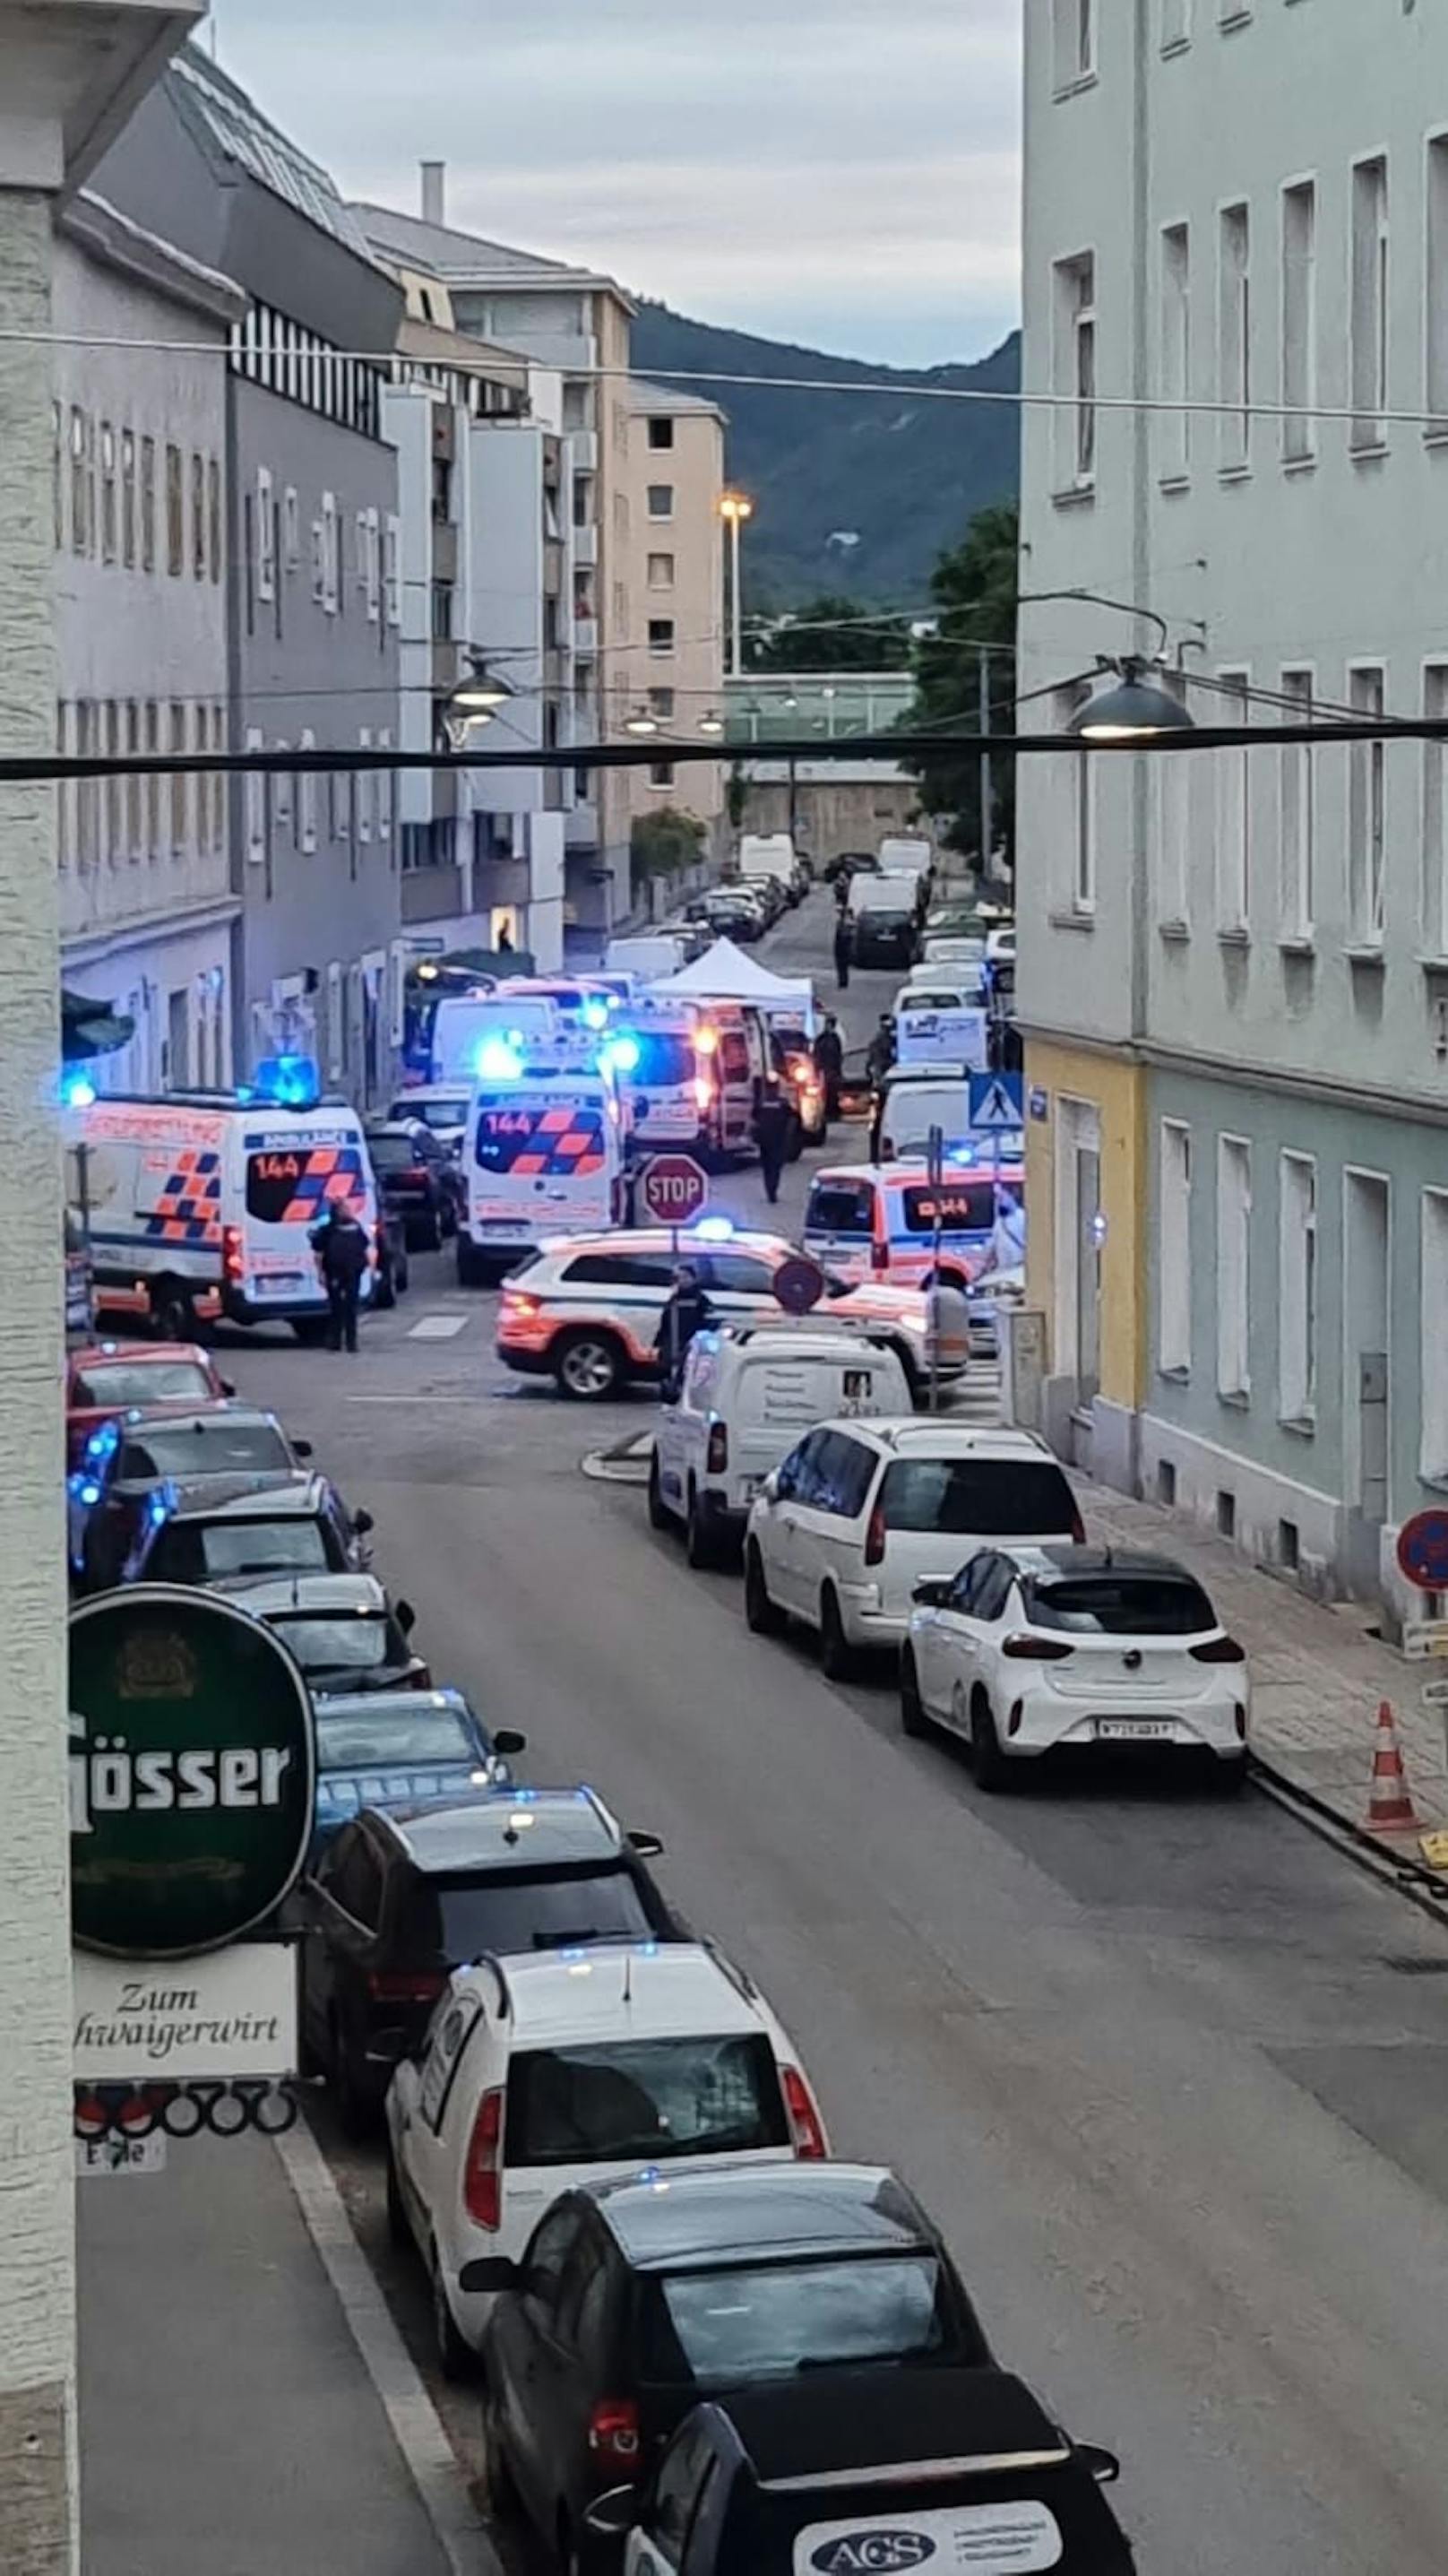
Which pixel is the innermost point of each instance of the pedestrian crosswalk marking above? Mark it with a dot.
(436, 1328)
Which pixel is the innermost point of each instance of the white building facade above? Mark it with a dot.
(139, 448)
(1234, 965)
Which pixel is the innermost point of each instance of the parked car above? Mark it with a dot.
(542, 2072)
(949, 2470)
(400, 1898)
(747, 1394)
(386, 1748)
(207, 1532)
(105, 1379)
(586, 1313)
(1029, 1651)
(343, 1630)
(127, 1462)
(442, 1107)
(419, 1182)
(860, 1512)
(629, 2305)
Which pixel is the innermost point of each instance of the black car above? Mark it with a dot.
(919, 2470)
(419, 1182)
(203, 1533)
(399, 1899)
(885, 933)
(851, 863)
(127, 1462)
(632, 2304)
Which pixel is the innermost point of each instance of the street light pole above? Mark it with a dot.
(734, 509)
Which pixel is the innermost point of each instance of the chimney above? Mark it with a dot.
(434, 177)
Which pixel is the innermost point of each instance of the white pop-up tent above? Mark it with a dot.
(725, 974)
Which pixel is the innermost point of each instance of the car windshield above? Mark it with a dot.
(913, 1108)
(984, 1497)
(202, 1551)
(841, 1207)
(527, 1909)
(217, 1446)
(350, 1741)
(449, 1112)
(358, 1641)
(780, 2317)
(144, 1382)
(663, 1058)
(655, 2098)
(392, 1153)
(1121, 1605)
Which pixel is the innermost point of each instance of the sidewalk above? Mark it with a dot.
(227, 2421)
(1317, 1675)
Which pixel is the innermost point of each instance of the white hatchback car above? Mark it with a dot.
(860, 1512)
(569, 2066)
(1030, 1651)
(748, 1395)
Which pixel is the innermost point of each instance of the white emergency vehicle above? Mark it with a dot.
(201, 1204)
(543, 1154)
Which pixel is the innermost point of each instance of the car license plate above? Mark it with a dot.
(277, 1283)
(500, 1225)
(112, 2155)
(1134, 1730)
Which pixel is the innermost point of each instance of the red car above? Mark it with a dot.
(105, 1379)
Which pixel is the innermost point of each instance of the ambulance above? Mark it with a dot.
(544, 1155)
(200, 1204)
(464, 1024)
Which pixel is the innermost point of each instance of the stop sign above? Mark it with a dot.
(672, 1189)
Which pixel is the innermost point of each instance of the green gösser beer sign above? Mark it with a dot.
(192, 1772)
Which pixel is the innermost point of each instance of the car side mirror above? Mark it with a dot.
(648, 1846)
(931, 1594)
(490, 2272)
(302, 1448)
(508, 1740)
(362, 1522)
(611, 2516)
(227, 1385)
(1104, 2465)
(406, 1617)
(769, 1490)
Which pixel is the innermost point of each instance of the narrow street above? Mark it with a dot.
(1172, 2075)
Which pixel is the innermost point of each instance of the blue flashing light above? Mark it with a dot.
(157, 1508)
(574, 1950)
(714, 1229)
(649, 2173)
(497, 1060)
(90, 1491)
(292, 1081)
(961, 1154)
(77, 1091)
(522, 1797)
(622, 1054)
(101, 1442)
(646, 1949)
(595, 1015)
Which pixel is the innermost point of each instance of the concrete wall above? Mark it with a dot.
(688, 544)
(831, 815)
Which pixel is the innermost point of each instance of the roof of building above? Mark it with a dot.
(99, 228)
(644, 396)
(226, 121)
(467, 259)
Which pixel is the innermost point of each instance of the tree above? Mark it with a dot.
(663, 843)
(975, 587)
(831, 633)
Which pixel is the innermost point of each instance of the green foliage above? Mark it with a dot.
(827, 634)
(736, 796)
(974, 587)
(663, 843)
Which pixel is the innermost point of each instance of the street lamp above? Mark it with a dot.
(1133, 710)
(472, 702)
(734, 509)
(641, 722)
(711, 724)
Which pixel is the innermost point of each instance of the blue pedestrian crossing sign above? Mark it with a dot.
(997, 1102)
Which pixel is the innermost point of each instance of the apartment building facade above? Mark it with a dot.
(314, 597)
(572, 323)
(674, 671)
(1234, 964)
(141, 564)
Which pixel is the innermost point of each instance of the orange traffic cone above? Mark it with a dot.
(1390, 1804)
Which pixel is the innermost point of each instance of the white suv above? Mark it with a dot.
(861, 1512)
(746, 1397)
(542, 2072)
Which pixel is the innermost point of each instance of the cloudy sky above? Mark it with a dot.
(840, 172)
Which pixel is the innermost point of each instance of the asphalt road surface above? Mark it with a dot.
(1171, 2074)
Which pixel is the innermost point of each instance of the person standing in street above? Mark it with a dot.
(947, 1329)
(686, 1311)
(829, 1056)
(844, 949)
(880, 1054)
(340, 1244)
(773, 1119)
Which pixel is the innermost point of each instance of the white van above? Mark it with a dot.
(543, 2072)
(651, 954)
(767, 854)
(748, 1395)
(941, 1023)
(200, 1204)
(465, 1023)
(543, 1156)
(904, 854)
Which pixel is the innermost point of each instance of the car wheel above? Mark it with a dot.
(171, 1312)
(837, 1655)
(397, 2227)
(310, 1330)
(700, 1546)
(384, 1295)
(502, 2488)
(588, 1367)
(1230, 1777)
(658, 1517)
(760, 1613)
(456, 2359)
(986, 1758)
(913, 1720)
(473, 1271)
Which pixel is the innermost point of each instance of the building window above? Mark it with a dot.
(1436, 352)
(1174, 1321)
(213, 518)
(307, 795)
(153, 783)
(1297, 1288)
(255, 784)
(385, 777)
(1234, 338)
(180, 783)
(442, 612)
(661, 702)
(128, 498)
(291, 530)
(661, 572)
(661, 634)
(1234, 1227)
(1173, 824)
(339, 804)
(1080, 829)
(1074, 33)
(1176, 24)
(366, 790)
(1174, 427)
(1075, 371)
(330, 554)
(392, 568)
(198, 518)
(281, 792)
(372, 564)
(1435, 816)
(661, 773)
(661, 500)
(218, 781)
(148, 505)
(265, 537)
(79, 487)
(85, 788)
(57, 471)
(1433, 1341)
(661, 430)
(1299, 320)
(115, 784)
(1369, 329)
(175, 514)
(1295, 779)
(135, 815)
(1366, 817)
(108, 493)
(1234, 810)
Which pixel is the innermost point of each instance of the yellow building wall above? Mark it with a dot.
(1117, 1090)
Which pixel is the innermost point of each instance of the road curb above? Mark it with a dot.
(1411, 1880)
(417, 2428)
(627, 1463)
